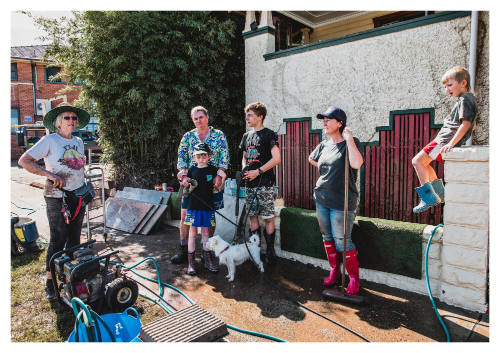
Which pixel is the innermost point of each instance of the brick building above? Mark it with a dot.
(32, 92)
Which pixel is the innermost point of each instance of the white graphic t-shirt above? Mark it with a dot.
(64, 157)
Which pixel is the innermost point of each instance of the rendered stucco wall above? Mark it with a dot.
(370, 77)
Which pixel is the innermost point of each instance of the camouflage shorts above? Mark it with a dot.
(263, 204)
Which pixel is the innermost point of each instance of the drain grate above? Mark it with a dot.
(192, 324)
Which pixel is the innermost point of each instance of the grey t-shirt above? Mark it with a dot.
(64, 157)
(329, 190)
(466, 108)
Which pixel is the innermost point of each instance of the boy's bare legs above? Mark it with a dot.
(205, 234)
(254, 223)
(269, 225)
(193, 232)
(425, 173)
(191, 246)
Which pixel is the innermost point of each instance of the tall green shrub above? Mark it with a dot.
(143, 72)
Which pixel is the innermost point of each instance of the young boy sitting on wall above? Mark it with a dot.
(260, 155)
(457, 128)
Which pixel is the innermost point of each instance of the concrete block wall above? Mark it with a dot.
(466, 231)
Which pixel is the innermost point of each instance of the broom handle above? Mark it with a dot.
(346, 199)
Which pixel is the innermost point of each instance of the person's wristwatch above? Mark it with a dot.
(260, 171)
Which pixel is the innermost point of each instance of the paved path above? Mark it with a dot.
(251, 303)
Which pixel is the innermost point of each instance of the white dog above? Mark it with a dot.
(233, 255)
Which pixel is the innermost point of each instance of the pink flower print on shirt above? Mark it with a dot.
(72, 158)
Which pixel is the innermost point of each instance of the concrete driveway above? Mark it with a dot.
(252, 303)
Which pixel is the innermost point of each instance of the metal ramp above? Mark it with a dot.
(191, 324)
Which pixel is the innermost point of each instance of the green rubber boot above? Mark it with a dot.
(428, 198)
(438, 187)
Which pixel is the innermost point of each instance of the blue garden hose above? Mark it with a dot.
(164, 307)
(428, 285)
(23, 208)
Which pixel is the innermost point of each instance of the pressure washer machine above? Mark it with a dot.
(78, 272)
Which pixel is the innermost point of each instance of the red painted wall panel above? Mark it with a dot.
(390, 180)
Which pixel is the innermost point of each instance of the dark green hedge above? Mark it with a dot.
(383, 245)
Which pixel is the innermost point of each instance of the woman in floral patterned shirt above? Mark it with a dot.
(216, 140)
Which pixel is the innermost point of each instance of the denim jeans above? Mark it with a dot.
(62, 235)
(331, 225)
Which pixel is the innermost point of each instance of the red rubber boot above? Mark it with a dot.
(352, 267)
(334, 261)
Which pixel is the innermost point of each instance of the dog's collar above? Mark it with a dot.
(227, 247)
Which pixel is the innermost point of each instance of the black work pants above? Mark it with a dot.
(62, 235)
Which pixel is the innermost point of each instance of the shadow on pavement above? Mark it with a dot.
(386, 309)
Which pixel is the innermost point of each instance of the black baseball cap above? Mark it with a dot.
(201, 148)
(333, 113)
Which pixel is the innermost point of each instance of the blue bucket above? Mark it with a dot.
(25, 230)
(124, 327)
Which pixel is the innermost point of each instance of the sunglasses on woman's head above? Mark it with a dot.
(70, 117)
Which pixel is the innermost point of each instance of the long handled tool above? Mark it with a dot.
(237, 238)
(341, 295)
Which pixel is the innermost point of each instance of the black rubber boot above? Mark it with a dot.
(270, 253)
(181, 256)
(50, 294)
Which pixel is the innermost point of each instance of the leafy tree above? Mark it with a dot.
(143, 72)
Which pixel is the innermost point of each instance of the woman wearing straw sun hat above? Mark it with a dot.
(64, 159)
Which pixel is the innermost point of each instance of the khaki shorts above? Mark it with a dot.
(260, 201)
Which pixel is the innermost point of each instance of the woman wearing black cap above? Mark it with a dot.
(329, 158)
(64, 159)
